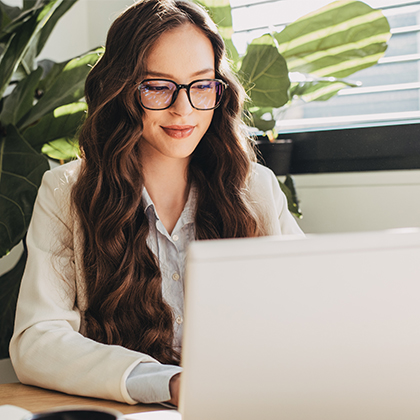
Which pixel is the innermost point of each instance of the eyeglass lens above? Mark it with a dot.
(203, 94)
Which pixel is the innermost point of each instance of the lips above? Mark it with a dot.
(178, 131)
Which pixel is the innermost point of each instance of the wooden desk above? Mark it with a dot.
(36, 399)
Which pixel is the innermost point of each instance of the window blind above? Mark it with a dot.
(389, 91)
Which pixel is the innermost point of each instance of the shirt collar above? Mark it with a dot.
(187, 215)
(148, 203)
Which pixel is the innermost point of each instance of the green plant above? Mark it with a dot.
(309, 59)
(41, 109)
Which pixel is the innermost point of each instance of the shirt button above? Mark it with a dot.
(175, 276)
(175, 237)
(179, 320)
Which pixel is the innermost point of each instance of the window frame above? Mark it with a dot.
(358, 149)
(381, 146)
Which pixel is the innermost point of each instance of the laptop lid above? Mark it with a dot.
(322, 328)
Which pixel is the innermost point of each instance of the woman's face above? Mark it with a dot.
(183, 54)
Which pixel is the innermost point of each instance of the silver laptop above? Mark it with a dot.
(322, 328)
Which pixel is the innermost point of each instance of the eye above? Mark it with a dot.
(157, 88)
(203, 85)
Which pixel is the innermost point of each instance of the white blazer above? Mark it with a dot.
(48, 348)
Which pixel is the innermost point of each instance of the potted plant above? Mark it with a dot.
(41, 109)
(309, 59)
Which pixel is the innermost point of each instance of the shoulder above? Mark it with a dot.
(263, 184)
(52, 217)
(265, 192)
(270, 202)
(61, 178)
(57, 183)
(64, 174)
(260, 173)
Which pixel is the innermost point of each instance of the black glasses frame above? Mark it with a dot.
(178, 87)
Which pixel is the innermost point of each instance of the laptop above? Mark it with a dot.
(319, 328)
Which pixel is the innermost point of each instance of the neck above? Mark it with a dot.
(166, 182)
(166, 175)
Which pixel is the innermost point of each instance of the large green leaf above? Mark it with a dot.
(49, 26)
(20, 42)
(319, 91)
(29, 4)
(68, 87)
(38, 43)
(265, 73)
(14, 19)
(21, 170)
(62, 122)
(289, 189)
(9, 289)
(63, 150)
(311, 88)
(20, 101)
(7, 14)
(51, 71)
(221, 13)
(336, 40)
(262, 118)
(13, 53)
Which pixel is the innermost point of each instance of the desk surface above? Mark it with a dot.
(38, 399)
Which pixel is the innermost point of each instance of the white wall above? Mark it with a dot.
(82, 28)
(363, 201)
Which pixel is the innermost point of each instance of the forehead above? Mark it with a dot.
(181, 53)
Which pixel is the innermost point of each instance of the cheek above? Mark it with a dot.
(208, 119)
(150, 119)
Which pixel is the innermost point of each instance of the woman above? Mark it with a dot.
(164, 161)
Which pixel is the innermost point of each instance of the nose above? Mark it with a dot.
(182, 105)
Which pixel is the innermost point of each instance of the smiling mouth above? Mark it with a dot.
(178, 131)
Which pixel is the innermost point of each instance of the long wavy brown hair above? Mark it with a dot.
(123, 279)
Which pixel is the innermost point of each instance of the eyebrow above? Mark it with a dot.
(169, 76)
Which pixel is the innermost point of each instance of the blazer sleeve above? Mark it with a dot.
(271, 202)
(47, 348)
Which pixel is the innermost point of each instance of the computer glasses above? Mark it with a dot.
(203, 94)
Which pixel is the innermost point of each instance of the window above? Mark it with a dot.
(389, 94)
(390, 90)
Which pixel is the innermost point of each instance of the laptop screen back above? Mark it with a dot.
(323, 328)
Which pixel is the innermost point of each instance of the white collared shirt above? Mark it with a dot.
(170, 251)
(149, 382)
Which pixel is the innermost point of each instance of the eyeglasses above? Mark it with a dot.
(203, 94)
